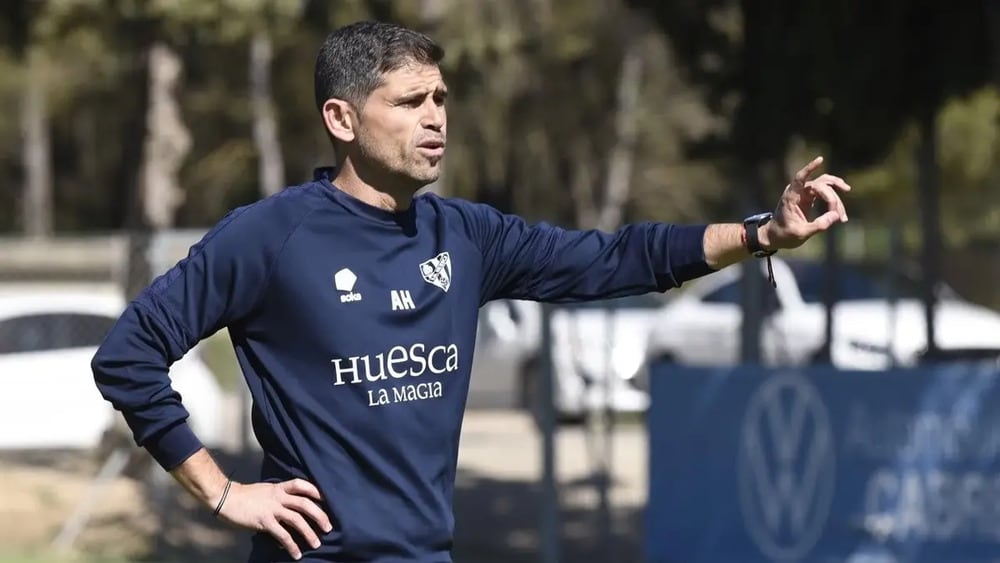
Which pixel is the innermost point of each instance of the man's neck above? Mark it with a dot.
(375, 192)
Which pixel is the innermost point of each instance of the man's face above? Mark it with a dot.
(403, 126)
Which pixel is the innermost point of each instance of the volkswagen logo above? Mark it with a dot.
(786, 467)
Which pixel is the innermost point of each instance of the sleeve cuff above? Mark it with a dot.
(174, 446)
(684, 255)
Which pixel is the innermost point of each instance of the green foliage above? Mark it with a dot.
(849, 75)
(727, 85)
(969, 159)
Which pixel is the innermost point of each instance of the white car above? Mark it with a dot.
(598, 354)
(49, 334)
(507, 339)
(701, 326)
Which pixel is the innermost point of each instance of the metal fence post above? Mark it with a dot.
(550, 532)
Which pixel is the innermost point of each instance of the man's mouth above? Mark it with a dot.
(432, 148)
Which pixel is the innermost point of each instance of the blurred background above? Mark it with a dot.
(132, 126)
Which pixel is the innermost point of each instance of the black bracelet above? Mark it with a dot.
(225, 493)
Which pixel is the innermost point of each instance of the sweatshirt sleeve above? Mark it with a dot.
(545, 263)
(218, 283)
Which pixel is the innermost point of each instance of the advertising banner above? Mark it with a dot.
(816, 464)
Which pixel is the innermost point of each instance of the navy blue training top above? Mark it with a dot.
(354, 328)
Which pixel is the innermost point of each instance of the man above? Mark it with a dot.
(352, 306)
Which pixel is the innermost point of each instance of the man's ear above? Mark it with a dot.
(340, 119)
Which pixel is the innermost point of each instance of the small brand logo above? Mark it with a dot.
(344, 280)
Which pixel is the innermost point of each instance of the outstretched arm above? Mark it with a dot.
(545, 263)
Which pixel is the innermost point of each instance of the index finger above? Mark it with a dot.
(301, 487)
(834, 181)
(802, 175)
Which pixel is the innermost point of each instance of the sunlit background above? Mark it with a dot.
(130, 127)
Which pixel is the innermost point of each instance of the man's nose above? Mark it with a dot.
(434, 117)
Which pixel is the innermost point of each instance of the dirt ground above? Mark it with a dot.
(498, 503)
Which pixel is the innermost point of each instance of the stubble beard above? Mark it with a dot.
(428, 171)
(409, 166)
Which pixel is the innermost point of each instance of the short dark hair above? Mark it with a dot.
(353, 58)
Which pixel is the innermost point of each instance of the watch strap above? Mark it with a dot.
(751, 241)
(751, 236)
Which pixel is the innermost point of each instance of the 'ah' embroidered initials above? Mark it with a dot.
(401, 300)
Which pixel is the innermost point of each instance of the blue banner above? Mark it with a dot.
(815, 464)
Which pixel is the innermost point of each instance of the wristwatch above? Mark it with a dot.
(750, 226)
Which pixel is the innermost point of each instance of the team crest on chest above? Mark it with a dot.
(437, 271)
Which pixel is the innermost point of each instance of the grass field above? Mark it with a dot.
(40, 558)
(496, 503)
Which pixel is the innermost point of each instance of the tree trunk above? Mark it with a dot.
(928, 180)
(622, 160)
(167, 140)
(582, 183)
(37, 152)
(433, 11)
(270, 163)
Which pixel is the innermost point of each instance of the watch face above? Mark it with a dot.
(759, 218)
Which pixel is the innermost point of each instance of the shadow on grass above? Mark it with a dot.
(497, 521)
